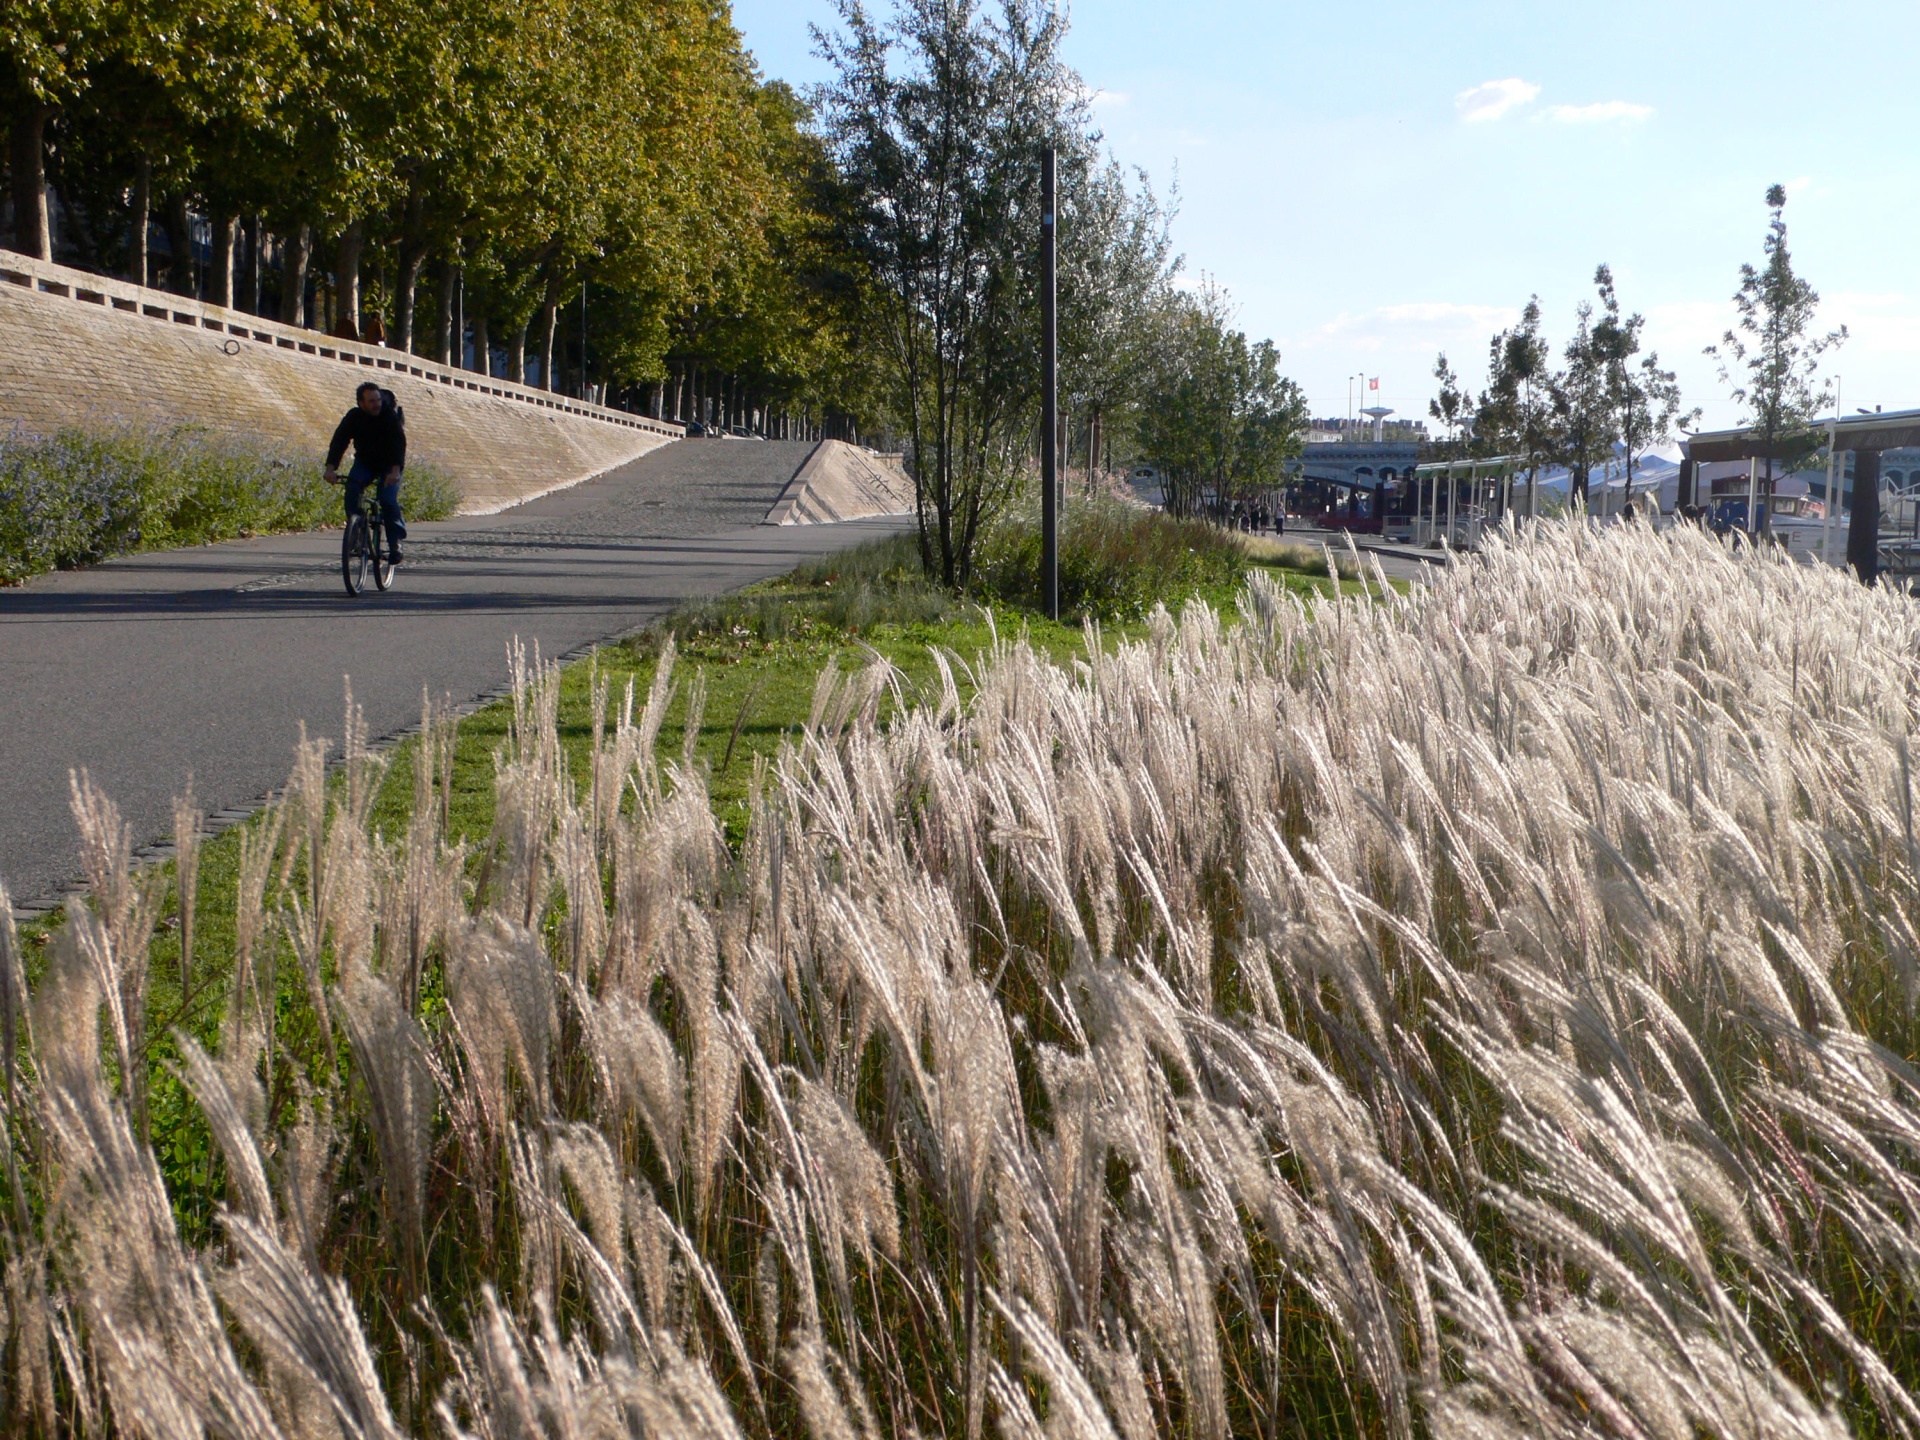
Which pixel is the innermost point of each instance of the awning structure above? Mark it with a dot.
(1890, 431)
(1487, 465)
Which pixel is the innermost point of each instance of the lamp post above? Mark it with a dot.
(1049, 396)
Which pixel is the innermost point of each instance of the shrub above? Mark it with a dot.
(80, 496)
(878, 583)
(1117, 561)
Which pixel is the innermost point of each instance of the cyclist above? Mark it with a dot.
(377, 431)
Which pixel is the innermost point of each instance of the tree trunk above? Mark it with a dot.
(31, 232)
(346, 281)
(413, 257)
(256, 264)
(220, 282)
(549, 322)
(179, 228)
(1863, 524)
(443, 339)
(142, 221)
(482, 345)
(293, 277)
(518, 360)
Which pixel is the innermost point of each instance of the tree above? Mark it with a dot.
(937, 122)
(1768, 359)
(1644, 397)
(45, 46)
(1452, 407)
(1117, 263)
(1515, 411)
(1582, 412)
(1218, 417)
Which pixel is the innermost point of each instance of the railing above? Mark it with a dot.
(236, 325)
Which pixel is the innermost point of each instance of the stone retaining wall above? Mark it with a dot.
(77, 348)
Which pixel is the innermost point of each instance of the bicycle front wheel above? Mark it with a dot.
(353, 554)
(382, 567)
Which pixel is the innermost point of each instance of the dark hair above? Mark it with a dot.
(362, 388)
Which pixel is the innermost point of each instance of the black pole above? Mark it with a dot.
(1049, 398)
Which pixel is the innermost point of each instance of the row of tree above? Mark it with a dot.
(328, 163)
(1608, 396)
(1606, 392)
(603, 193)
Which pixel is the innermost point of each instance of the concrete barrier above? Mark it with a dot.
(839, 481)
(77, 348)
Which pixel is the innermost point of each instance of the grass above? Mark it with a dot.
(79, 496)
(762, 863)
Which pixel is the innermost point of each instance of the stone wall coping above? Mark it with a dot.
(84, 287)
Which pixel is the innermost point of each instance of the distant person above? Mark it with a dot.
(376, 427)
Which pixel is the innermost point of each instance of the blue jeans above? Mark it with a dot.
(358, 478)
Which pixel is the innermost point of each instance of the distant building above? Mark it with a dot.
(1347, 455)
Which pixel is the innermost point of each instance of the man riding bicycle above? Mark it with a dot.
(378, 434)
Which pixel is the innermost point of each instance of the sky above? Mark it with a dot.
(1376, 183)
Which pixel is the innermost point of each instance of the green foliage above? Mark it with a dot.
(1219, 419)
(938, 123)
(80, 496)
(1768, 360)
(1117, 561)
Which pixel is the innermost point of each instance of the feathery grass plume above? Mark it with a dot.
(640, 1072)
(421, 889)
(188, 823)
(116, 933)
(307, 1324)
(13, 997)
(154, 1344)
(387, 1050)
(250, 920)
(1484, 1011)
(500, 986)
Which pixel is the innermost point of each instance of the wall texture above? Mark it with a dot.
(78, 348)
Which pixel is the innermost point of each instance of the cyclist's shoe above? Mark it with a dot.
(394, 557)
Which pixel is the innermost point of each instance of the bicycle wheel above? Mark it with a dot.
(353, 554)
(382, 566)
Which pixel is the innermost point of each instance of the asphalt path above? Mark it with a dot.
(205, 662)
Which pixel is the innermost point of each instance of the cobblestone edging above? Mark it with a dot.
(138, 301)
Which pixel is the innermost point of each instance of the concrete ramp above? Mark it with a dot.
(839, 481)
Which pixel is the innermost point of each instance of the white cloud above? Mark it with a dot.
(1109, 99)
(1794, 187)
(1492, 99)
(1600, 113)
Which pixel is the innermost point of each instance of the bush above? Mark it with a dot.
(1116, 561)
(79, 496)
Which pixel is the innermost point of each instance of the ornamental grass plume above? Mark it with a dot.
(1484, 1011)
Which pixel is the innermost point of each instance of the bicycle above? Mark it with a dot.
(361, 545)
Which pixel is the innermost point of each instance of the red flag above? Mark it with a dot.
(1374, 383)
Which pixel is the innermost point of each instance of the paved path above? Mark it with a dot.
(205, 661)
(1400, 562)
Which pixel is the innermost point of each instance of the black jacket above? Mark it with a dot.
(379, 441)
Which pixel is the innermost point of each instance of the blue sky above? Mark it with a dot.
(1374, 183)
